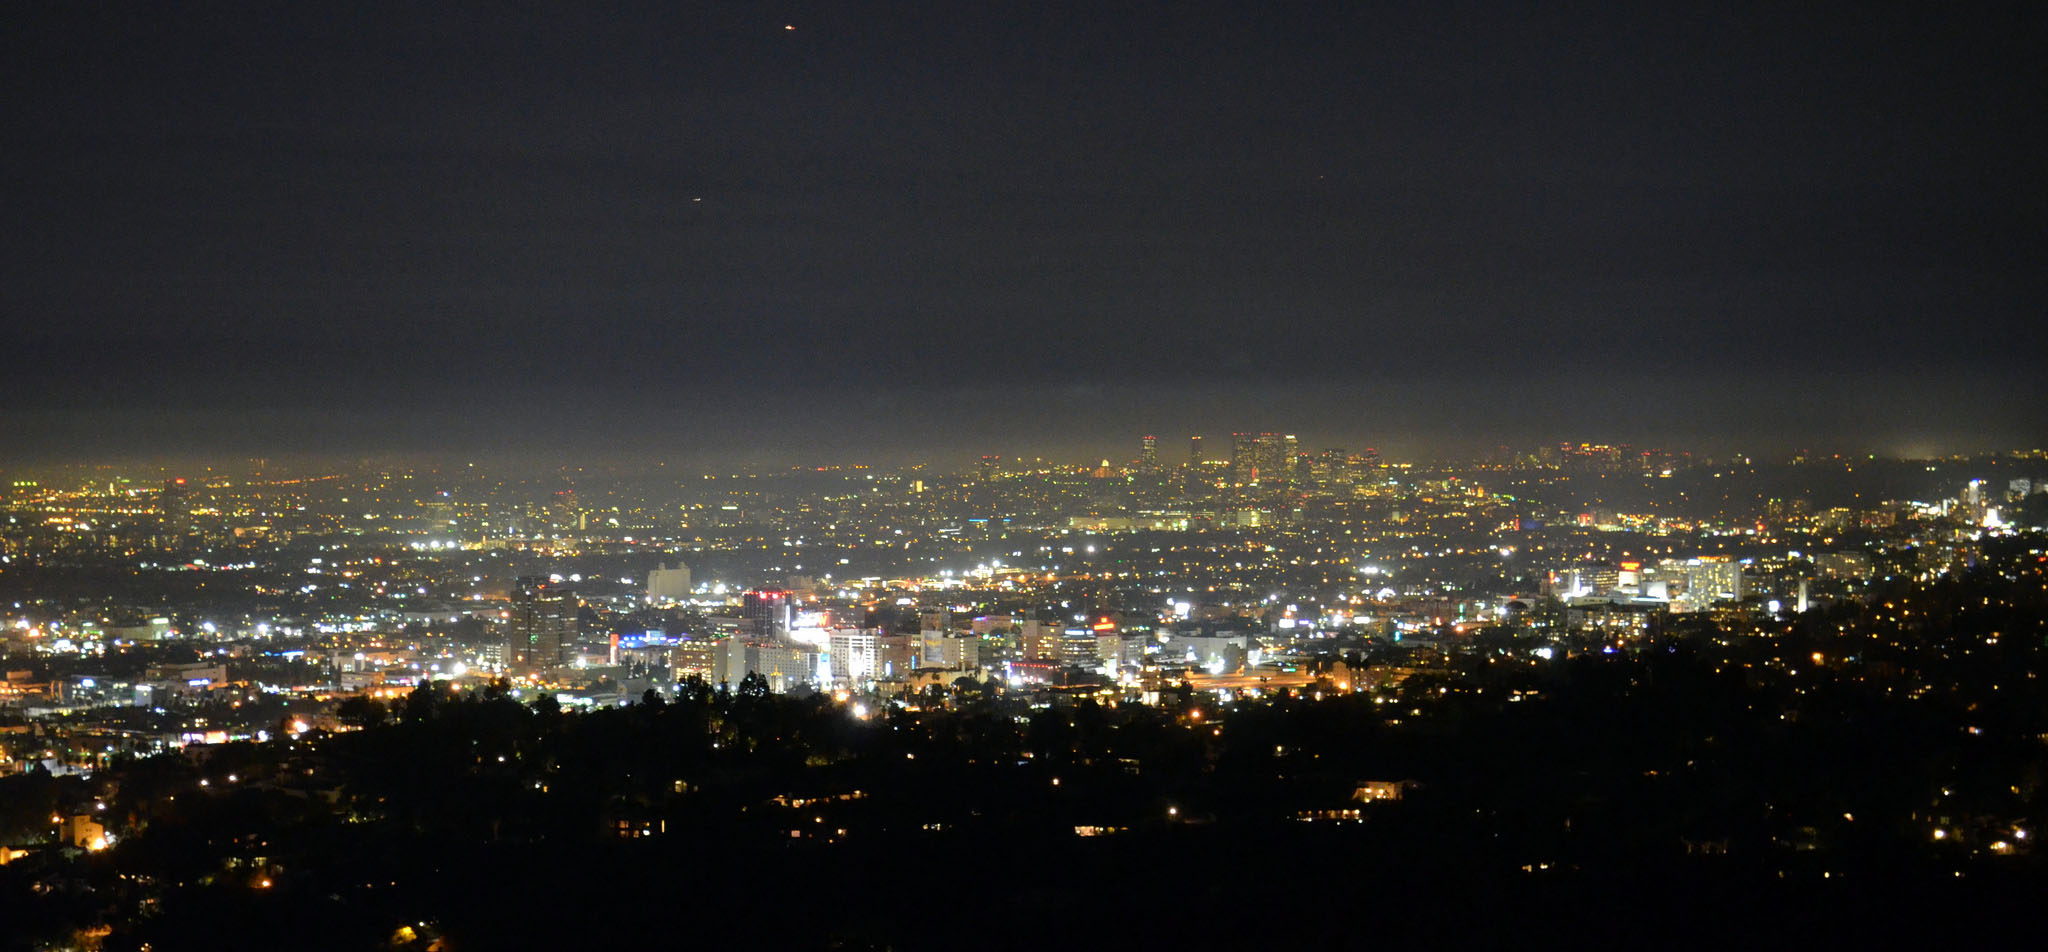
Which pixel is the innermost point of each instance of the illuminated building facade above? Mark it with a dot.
(783, 664)
(768, 611)
(666, 583)
(542, 624)
(1262, 459)
(855, 655)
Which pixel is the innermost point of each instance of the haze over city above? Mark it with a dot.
(946, 229)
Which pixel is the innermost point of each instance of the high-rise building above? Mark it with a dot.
(1331, 469)
(1194, 451)
(1262, 459)
(1148, 454)
(939, 649)
(855, 655)
(1973, 500)
(1039, 640)
(1077, 648)
(1366, 467)
(1276, 460)
(175, 506)
(564, 512)
(1244, 463)
(768, 611)
(542, 624)
(1708, 580)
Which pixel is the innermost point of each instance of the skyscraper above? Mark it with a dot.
(175, 507)
(1288, 458)
(1194, 451)
(564, 512)
(1261, 459)
(1330, 469)
(768, 611)
(1148, 454)
(542, 624)
(1244, 465)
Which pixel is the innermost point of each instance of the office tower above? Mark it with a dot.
(768, 611)
(1261, 459)
(1194, 451)
(1244, 465)
(990, 464)
(175, 507)
(1973, 500)
(1366, 467)
(1148, 454)
(542, 624)
(1333, 468)
(564, 511)
(1276, 460)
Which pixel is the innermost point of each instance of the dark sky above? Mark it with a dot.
(949, 228)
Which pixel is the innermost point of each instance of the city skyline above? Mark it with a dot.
(1126, 456)
(918, 475)
(1571, 670)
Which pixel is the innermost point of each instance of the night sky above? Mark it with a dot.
(686, 231)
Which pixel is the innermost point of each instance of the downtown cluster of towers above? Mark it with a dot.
(1269, 460)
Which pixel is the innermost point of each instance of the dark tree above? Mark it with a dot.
(361, 711)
